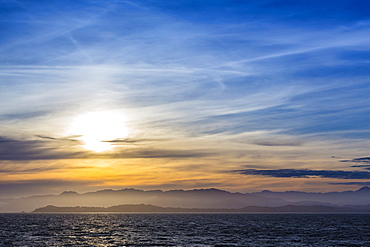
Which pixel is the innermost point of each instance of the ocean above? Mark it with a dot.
(93, 229)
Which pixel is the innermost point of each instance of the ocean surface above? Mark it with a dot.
(184, 229)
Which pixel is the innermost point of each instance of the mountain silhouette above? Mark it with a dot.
(198, 198)
(143, 208)
(359, 197)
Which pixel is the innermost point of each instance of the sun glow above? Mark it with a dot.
(98, 128)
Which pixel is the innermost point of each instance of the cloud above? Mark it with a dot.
(51, 148)
(292, 173)
(353, 183)
(128, 141)
(4, 139)
(366, 167)
(35, 167)
(68, 138)
(358, 160)
(152, 153)
(273, 143)
(12, 149)
(152, 52)
(11, 169)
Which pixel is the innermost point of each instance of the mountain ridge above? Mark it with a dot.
(338, 198)
(147, 208)
(197, 198)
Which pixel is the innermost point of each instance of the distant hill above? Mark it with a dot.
(359, 197)
(201, 198)
(142, 208)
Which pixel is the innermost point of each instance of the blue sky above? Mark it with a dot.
(206, 88)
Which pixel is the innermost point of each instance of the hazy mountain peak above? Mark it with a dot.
(209, 190)
(364, 189)
(106, 190)
(130, 190)
(69, 193)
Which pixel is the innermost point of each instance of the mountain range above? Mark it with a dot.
(359, 197)
(198, 198)
(143, 208)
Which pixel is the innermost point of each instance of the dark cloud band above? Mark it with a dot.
(47, 149)
(358, 160)
(292, 173)
(353, 183)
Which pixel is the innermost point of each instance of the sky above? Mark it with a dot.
(230, 94)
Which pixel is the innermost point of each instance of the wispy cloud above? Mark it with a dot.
(11, 149)
(358, 160)
(68, 138)
(27, 168)
(353, 183)
(292, 173)
(51, 148)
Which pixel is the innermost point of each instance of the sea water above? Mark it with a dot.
(184, 229)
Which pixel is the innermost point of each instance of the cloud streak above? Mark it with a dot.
(358, 160)
(292, 173)
(353, 183)
(52, 149)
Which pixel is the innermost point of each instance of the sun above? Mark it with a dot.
(96, 129)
